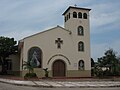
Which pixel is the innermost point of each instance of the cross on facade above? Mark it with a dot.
(59, 42)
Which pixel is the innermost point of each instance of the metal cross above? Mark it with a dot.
(59, 42)
(75, 5)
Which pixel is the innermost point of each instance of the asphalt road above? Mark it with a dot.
(4, 86)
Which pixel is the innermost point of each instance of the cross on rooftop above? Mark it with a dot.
(75, 5)
(58, 42)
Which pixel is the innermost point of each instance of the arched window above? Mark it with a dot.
(81, 65)
(35, 57)
(69, 15)
(79, 15)
(85, 16)
(80, 30)
(80, 46)
(74, 15)
(65, 19)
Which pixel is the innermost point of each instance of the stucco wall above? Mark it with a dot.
(72, 24)
(46, 42)
(69, 49)
(15, 62)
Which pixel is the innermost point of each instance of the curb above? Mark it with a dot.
(34, 84)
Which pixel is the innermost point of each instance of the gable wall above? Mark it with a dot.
(46, 42)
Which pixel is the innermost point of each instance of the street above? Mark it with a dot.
(4, 86)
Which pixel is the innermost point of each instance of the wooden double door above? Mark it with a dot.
(59, 68)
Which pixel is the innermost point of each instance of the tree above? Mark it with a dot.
(110, 63)
(92, 66)
(92, 62)
(98, 70)
(7, 47)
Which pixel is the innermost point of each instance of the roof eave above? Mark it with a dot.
(75, 8)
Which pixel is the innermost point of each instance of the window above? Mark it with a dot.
(74, 15)
(81, 65)
(69, 15)
(80, 46)
(80, 30)
(35, 57)
(65, 19)
(85, 16)
(8, 64)
(79, 15)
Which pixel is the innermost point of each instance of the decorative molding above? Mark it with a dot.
(59, 55)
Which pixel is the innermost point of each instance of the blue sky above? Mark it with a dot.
(21, 18)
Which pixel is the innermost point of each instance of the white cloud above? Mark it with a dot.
(21, 18)
(102, 15)
(19, 35)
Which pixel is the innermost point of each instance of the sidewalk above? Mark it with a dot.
(63, 83)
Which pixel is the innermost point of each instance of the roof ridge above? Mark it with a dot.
(47, 30)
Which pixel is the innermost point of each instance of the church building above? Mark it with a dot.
(65, 51)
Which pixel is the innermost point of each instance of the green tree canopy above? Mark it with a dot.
(110, 61)
(7, 47)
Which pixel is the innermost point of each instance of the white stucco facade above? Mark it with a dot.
(68, 52)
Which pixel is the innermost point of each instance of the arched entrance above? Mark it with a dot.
(59, 68)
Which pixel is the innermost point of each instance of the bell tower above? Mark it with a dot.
(76, 20)
(75, 17)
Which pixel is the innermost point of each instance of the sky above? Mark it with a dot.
(21, 18)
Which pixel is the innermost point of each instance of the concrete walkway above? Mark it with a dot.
(62, 83)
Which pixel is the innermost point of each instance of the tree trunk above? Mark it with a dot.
(4, 69)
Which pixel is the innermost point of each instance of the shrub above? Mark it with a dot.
(46, 72)
(30, 75)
